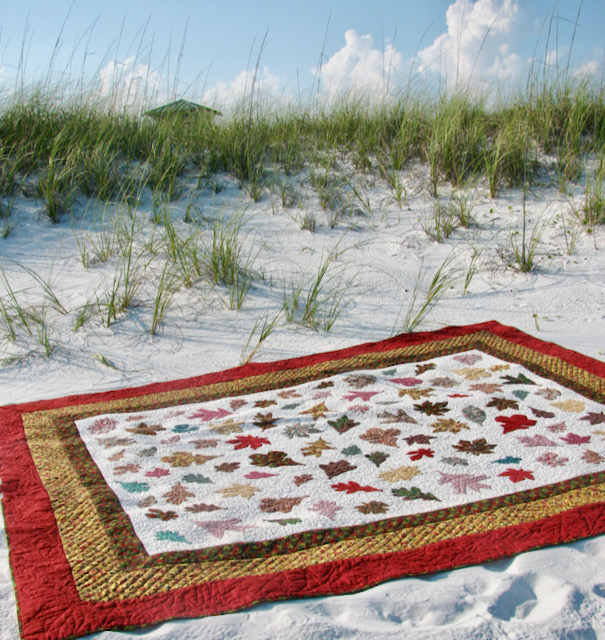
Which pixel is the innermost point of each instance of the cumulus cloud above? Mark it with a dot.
(360, 67)
(262, 85)
(475, 48)
(130, 85)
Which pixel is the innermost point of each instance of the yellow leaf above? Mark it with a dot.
(573, 406)
(316, 448)
(227, 427)
(415, 394)
(401, 473)
(473, 373)
(239, 491)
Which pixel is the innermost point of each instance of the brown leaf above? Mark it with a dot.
(227, 467)
(387, 437)
(143, 429)
(265, 421)
(298, 480)
(201, 507)
(373, 507)
(337, 468)
(476, 447)
(281, 505)
(178, 494)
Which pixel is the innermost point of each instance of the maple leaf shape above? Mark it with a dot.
(552, 459)
(206, 415)
(517, 475)
(517, 421)
(131, 467)
(432, 408)
(448, 424)
(337, 468)
(572, 406)
(500, 367)
(360, 395)
(548, 394)
(556, 428)
(147, 453)
(262, 404)
(204, 443)
(171, 440)
(157, 473)
(401, 473)
(265, 421)
(502, 404)
(281, 505)
(135, 487)
(218, 528)
(595, 418)
(102, 425)
(172, 536)
(143, 429)
(237, 403)
(359, 408)
(161, 515)
(343, 424)
(444, 382)
(468, 358)
(373, 507)
(377, 457)
(146, 502)
(352, 487)
(462, 481)
(387, 437)
(317, 411)
(185, 459)
(326, 508)
(238, 490)
(418, 454)
(289, 393)
(320, 395)
(298, 480)
(407, 382)
(419, 439)
(473, 373)
(227, 467)
(360, 381)
(540, 413)
(423, 368)
(226, 427)
(316, 448)
(272, 459)
(537, 441)
(574, 438)
(259, 475)
(592, 457)
(476, 447)
(486, 387)
(202, 507)
(400, 416)
(178, 494)
(196, 478)
(520, 379)
(117, 456)
(300, 430)
(254, 442)
(416, 394)
(413, 494)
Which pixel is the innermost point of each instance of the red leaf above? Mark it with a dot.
(518, 475)
(254, 442)
(352, 487)
(421, 453)
(512, 423)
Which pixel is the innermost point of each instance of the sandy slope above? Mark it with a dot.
(382, 249)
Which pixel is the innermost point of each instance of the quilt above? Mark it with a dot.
(312, 476)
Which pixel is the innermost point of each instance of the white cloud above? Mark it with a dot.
(130, 85)
(475, 48)
(360, 68)
(261, 85)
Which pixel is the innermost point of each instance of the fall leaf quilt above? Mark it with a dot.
(320, 475)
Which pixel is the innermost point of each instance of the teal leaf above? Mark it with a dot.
(521, 394)
(184, 428)
(197, 477)
(474, 414)
(172, 536)
(135, 487)
(508, 460)
(353, 450)
(147, 453)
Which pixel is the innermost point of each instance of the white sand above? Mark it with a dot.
(551, 593)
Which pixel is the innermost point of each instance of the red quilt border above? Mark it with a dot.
(37, 558)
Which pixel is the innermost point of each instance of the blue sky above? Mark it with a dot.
(208, 50)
